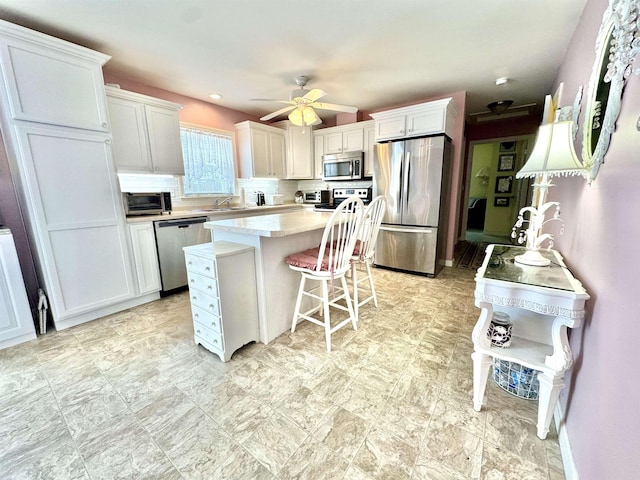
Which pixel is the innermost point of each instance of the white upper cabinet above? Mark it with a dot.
(343, 139)
(51, 81)
(318, 152)
(299, 158)
(369, 147)
(146, 133)
(416, 120)
(261, 150)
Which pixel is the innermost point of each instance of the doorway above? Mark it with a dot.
(495, 195)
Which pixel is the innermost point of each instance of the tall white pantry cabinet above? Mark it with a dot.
(56, 129)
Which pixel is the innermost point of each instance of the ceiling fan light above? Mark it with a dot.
(295, 117)
(309, 116)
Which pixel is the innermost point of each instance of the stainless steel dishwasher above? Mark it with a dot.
(171, 236)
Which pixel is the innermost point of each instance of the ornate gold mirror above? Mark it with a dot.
(616, 47)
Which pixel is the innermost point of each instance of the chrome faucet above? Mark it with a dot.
(218, 202)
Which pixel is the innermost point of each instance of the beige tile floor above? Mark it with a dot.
(131, 396)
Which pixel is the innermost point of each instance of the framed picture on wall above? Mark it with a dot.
(503, 184)
(506, 163)
(501, 202)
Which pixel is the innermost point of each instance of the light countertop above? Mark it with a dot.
(212, 214)
(274, 225)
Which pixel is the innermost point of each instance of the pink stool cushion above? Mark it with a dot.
(307, 259)
(356, 249)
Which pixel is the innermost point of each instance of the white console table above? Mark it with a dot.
(542, 302)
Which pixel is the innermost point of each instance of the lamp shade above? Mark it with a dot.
(553, 153)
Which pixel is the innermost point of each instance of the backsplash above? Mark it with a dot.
(170, 183)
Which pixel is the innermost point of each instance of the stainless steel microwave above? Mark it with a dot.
(154, 203)
(343, 166)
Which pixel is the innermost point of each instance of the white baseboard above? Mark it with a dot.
(570, 470)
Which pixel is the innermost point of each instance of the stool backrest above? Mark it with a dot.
(371, 221)
(340, 235)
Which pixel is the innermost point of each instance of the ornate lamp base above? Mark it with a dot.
(533, 258)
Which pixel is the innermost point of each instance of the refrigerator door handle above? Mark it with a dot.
(399, 199)
(407, 174)
(404, 230)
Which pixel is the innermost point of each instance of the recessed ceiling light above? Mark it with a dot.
(502, 80)
(215, 96)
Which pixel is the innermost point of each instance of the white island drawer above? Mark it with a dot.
(202, 265)
(203, 283)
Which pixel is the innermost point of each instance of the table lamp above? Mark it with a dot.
(553, 155)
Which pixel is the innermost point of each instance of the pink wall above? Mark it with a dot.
(600, 245)
(194, 111)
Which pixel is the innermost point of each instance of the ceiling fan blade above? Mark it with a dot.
(314, 94)
(277, 112)
(269, 100)
(334, 107)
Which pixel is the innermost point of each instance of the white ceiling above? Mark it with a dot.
(369, 53)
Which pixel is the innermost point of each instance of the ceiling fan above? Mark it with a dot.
(302, 103)
(502, 110)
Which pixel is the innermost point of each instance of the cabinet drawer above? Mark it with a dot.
(207, 303)
(203, 283)
(208, 335)
(204, 266)
(206, 320)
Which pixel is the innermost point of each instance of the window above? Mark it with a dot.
(208, 161)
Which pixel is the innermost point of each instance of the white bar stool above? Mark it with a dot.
(328, 263)
(365, 251)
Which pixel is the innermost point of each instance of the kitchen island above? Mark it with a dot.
(274, 237)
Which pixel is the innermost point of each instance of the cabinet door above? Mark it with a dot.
(145, 257)
(333, 143)
(369, 147)
(74, 202)
(164, 140)
(16, 321)
(353, 140)
(129, 131)
(277, 152)
(260, 149)
(300, 152)
(318, 144)
(47, 86)
(426, 122)
(388, 128)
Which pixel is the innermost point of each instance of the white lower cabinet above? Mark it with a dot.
(223, 294)
(16, 321)
(145, 257)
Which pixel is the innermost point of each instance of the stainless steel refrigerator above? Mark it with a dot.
(414, 177)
